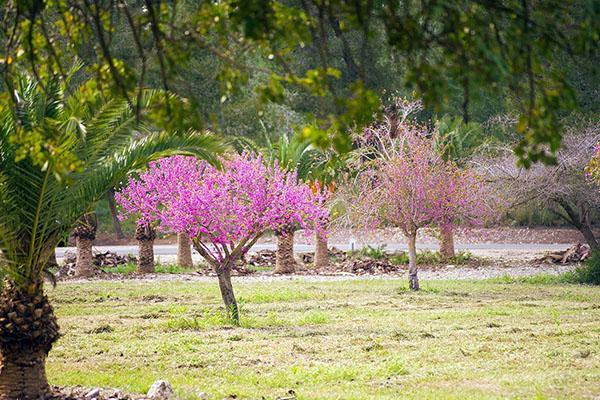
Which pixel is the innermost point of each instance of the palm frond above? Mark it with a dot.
(39, 208)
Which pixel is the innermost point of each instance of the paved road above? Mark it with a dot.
(171, 250)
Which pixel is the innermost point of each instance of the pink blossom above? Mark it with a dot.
(410, 186)
(224, 211)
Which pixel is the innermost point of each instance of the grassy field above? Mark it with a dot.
(333, 340)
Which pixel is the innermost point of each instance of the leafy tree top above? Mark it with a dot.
(508, 49)
(84, 152)
(404, 181)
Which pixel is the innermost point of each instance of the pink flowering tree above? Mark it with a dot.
(412, 187)
(224, 210)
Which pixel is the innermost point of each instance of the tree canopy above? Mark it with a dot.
(328, 61)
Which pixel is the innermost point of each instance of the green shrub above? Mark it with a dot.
(423, 257)
(400, 258)
(462, 257)
(158, 267)
(374, 252)
(431, 257)
(590, 271)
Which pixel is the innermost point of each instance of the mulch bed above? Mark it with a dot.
(577, 253)
(99, 260)
(341, 263)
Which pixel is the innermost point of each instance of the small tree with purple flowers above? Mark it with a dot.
(224, 211)
(412, 187)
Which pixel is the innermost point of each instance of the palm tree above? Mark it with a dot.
(53, 170)
(184, 251)
(291, 153)
(145, 235)
(85, 234)
(455, 140)
(330, 170)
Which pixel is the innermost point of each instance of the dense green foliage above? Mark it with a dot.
(321, 65)
(589, 272)
(86, 147)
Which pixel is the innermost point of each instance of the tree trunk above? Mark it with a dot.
(28, 328)
(285, 263)
(184, 251)
(145, 236)
(224, 275)
(113, 213)
(23, 375)
(321, 251)
(413, 279)
(85, 233)
(589, 237)
(83, 264)
(447, 243)
(578, 220)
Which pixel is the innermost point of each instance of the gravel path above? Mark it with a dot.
(167, 253)
(447, 272)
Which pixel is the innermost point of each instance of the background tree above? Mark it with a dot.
(410, 186)
(592, 170)
(145, 235)
(563, 188)
(224, 212)
(110, 198)
(456, 140)
(44, 191)
(184, 250)
(292, 154)
(517, 54)
(85, 234)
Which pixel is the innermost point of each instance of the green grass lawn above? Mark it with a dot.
(333, 340)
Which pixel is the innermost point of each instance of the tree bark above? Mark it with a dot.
(224, 275)
(184, 251)
(285, 263)
(145, 235)
(589, 237)
(23, 375)
(321, 251)
(85, 233)
(113, 212)
(575, 218)
(28, 328)
(447, 243)
(413, 279)
(83, 263)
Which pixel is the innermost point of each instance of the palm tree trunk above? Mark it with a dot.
(224, 275)
(83, 263)
(284, 257)
(145, 236)
(184, 251)
(447, 243)
(23, 374)
(85, 233)
(28, 328)
(321, 251)
(413, 279)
